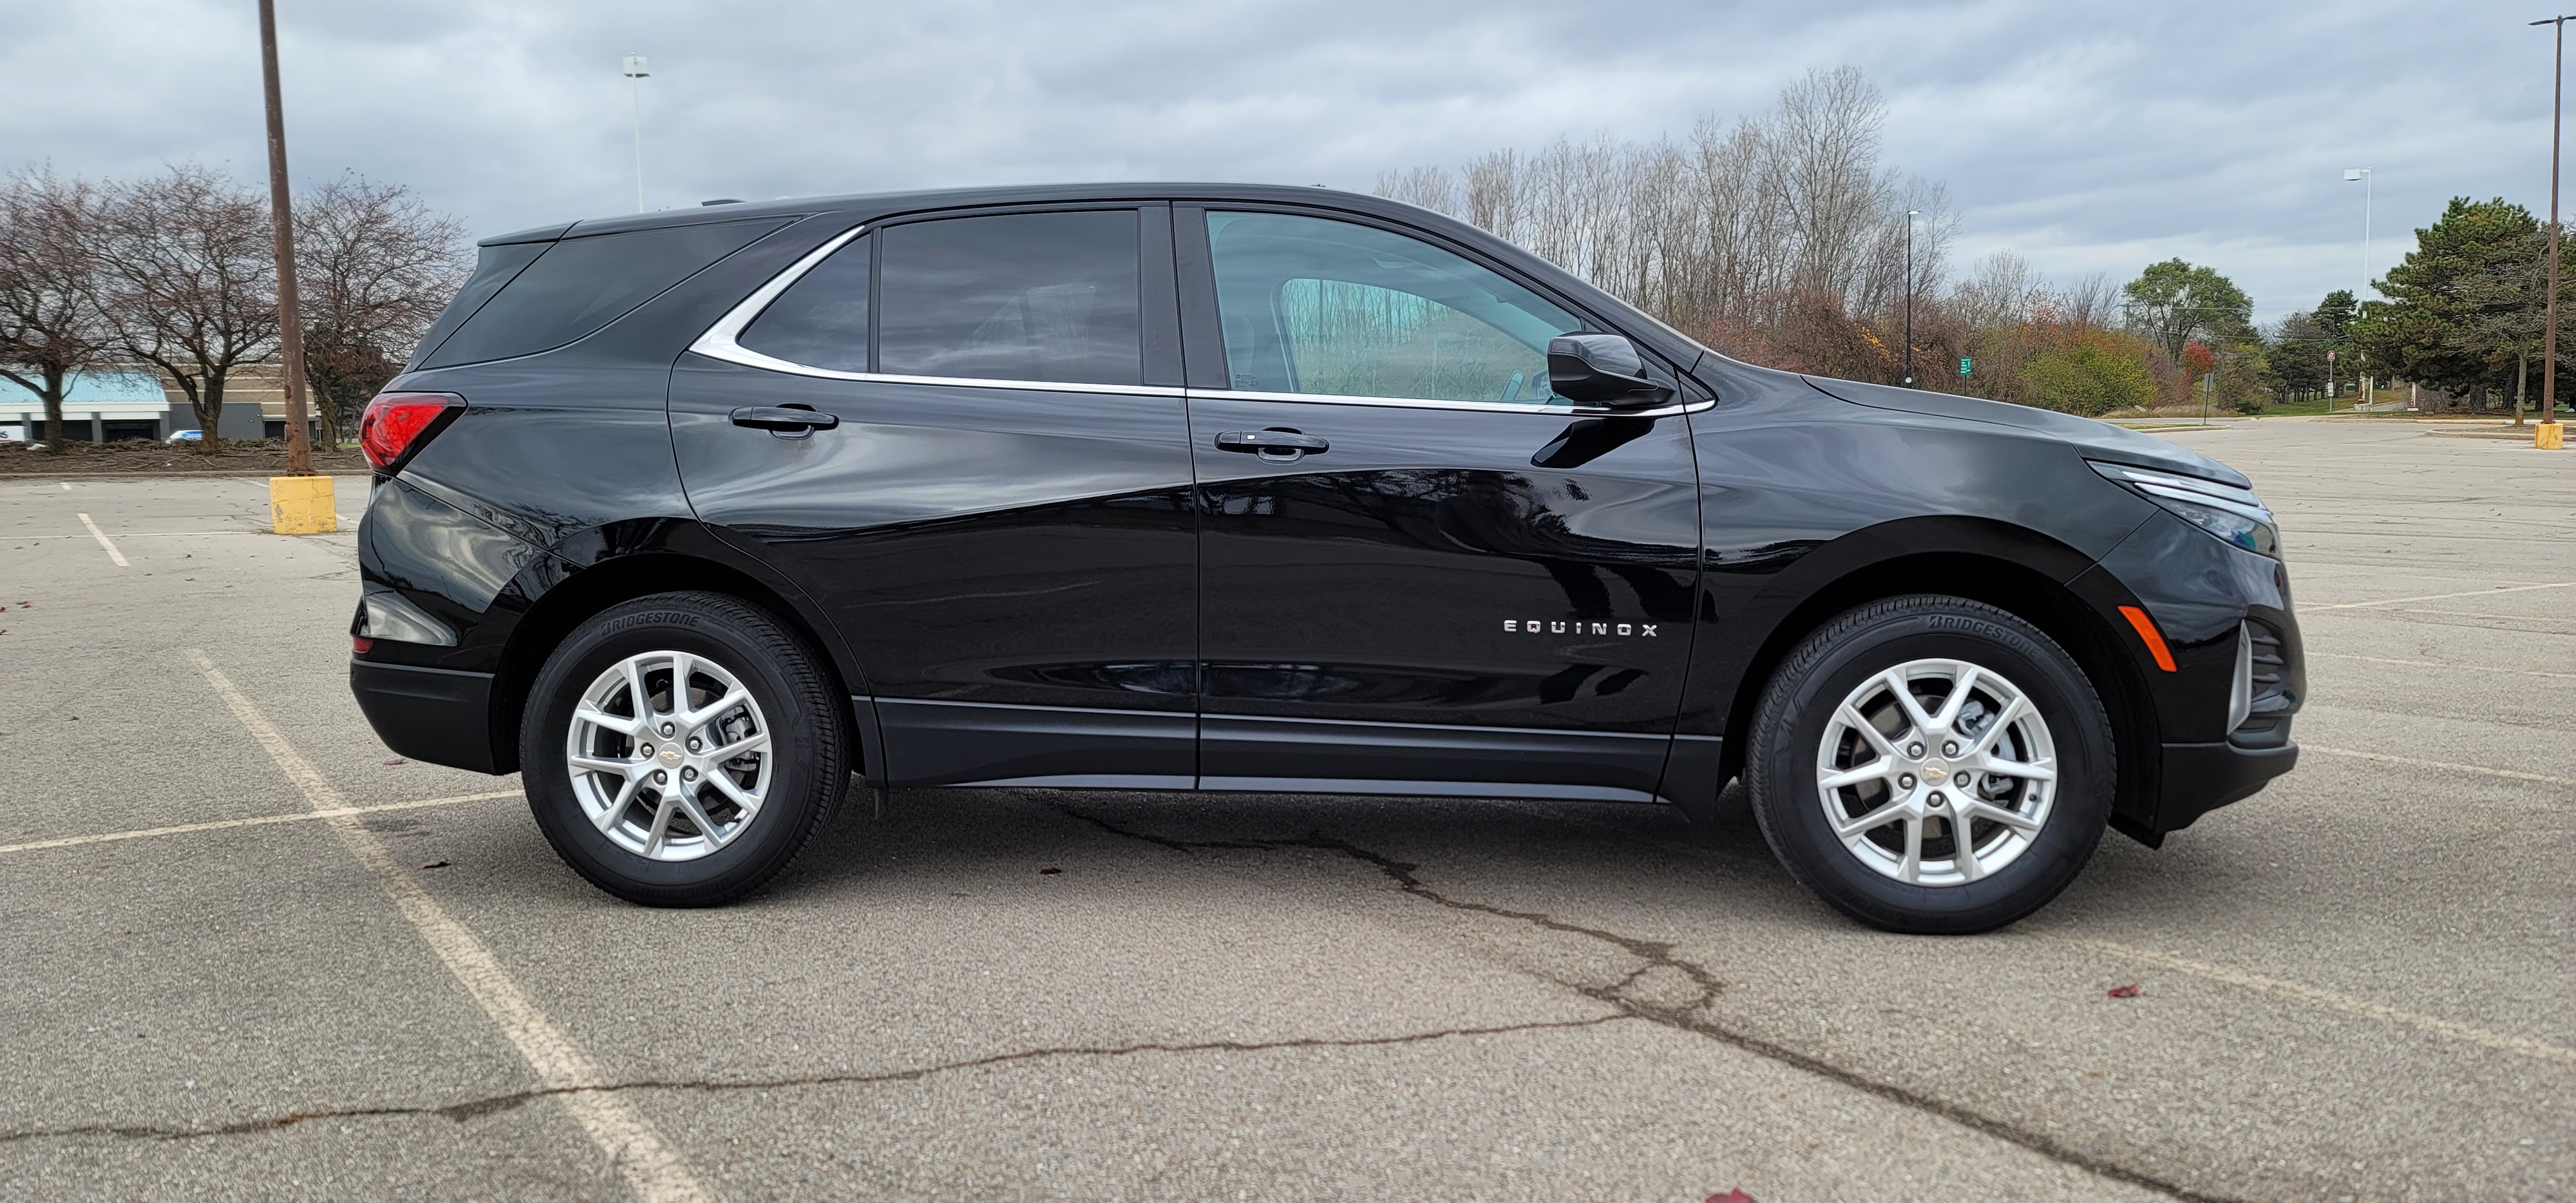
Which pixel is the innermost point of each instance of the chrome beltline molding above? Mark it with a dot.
(720, 342)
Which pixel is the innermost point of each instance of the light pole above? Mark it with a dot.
(2549, 334)
(1910, 215)
(2362, 176)
(635, 76)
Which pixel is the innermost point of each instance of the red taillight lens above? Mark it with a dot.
(360, 645)
(394, 421)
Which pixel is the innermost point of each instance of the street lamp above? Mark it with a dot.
(2362, 176)
(1910, 215)
(2549, 335)
(635, 76)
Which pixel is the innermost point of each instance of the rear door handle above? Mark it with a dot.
(781, 417)
(1271, 442)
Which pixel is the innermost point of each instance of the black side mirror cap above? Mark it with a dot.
(1601, 369)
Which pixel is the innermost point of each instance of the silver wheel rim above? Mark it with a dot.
(666, 773)
(1924, 749)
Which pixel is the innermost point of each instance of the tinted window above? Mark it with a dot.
(1311, 305)
(821, 321)
(1024, 296)
(582, 284)
(493, 267)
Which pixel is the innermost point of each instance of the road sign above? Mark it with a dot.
(1965, 363)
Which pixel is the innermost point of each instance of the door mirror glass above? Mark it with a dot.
(1601, 369)
(1312, 305)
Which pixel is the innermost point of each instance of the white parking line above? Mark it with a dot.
(2297, 992)
(152, 534)
(101, 536)
(653, 1170)
(2520, 672)
(2439, 596)
(2444, 765)
(109, 837)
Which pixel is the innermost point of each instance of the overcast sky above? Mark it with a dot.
(2091, 138)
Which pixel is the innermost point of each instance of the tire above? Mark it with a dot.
(774, 694)
(2028, 837)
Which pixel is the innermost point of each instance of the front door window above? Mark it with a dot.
(1311, 305)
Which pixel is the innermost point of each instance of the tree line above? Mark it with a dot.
(177, 270)
(1782, 239)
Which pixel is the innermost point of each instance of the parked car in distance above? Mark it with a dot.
(688, 516)
(186, 436)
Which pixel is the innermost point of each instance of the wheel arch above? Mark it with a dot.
(574, 598)
(2019, 571)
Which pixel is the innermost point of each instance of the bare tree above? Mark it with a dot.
(2004, 289)
(375, 266)
(190, 280)
(1780, 228)
(50, 324)
(2088, 304)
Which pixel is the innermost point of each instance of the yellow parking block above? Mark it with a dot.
(302, 505)
(2550, 436)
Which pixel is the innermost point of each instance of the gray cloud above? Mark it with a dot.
(2088, 137)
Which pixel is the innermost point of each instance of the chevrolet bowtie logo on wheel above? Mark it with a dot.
(1573, 626)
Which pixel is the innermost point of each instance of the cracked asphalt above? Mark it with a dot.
(2353, 985)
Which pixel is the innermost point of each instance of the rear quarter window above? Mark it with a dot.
(494, 266)
(581, 284)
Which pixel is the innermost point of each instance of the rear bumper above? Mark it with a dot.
(436, 715)
(2200, 778)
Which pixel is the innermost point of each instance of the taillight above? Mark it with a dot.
(394, 422)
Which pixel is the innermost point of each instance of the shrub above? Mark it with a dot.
(2090, 376)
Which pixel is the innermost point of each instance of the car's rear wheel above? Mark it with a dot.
(679, 749)
(1931, 764)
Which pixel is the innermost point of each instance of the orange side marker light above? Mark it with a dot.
(2153, 638)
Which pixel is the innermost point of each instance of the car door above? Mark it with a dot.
(1420, 571)
(998, 515)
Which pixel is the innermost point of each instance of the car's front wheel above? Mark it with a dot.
(679, 749)
(1931, 764)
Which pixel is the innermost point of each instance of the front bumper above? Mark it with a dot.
(436, 715)
(2200, 778)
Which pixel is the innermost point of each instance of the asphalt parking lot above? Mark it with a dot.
(242, 954)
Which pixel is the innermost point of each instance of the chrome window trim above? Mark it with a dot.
(721, 342)
(1499, 407)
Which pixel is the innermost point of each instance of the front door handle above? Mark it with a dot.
(783, 418)
(1272, 442)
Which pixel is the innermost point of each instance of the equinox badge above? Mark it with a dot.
(1641, 630)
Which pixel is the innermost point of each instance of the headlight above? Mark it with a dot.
(2226, 511)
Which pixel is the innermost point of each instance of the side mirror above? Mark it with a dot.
(1601, 369)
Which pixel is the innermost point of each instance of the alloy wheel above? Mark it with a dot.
(1936, 772)
(670, 756)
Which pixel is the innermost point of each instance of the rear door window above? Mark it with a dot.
(821, 321)
(582, 284)
(1048, 297)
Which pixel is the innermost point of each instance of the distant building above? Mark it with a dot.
(123, 403)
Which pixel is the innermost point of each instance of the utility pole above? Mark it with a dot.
(1910, 215)
(300, 502)
(635, 77)
(281, 221)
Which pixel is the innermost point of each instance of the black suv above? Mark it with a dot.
(689, 516)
